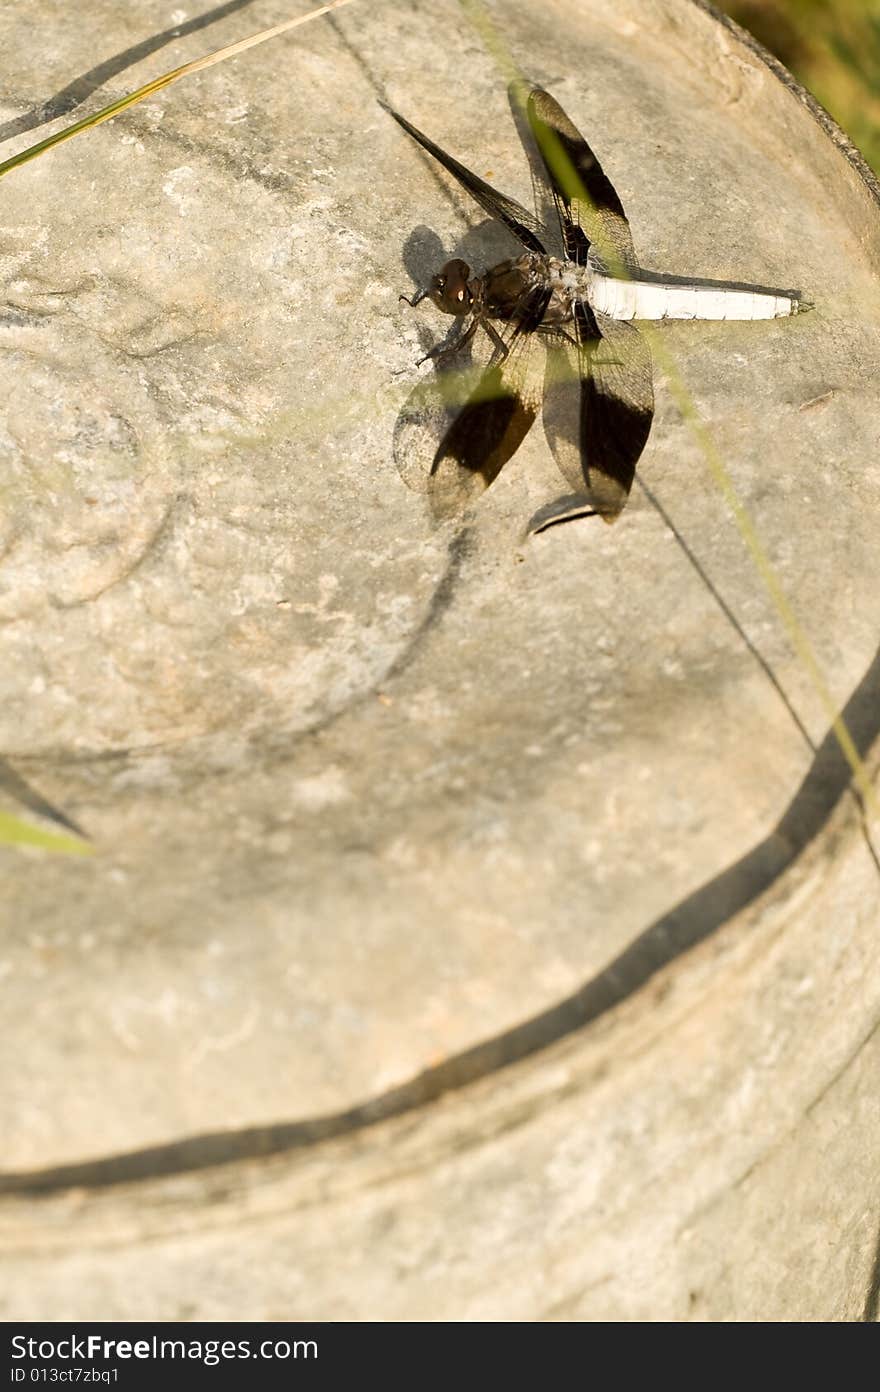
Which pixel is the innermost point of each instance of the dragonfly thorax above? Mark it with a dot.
(512, 289)
(506, 291)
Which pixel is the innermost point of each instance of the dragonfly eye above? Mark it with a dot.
(449, 288)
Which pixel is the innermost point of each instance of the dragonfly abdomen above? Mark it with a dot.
(648, 299)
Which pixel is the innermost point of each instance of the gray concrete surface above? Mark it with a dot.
(367, 793)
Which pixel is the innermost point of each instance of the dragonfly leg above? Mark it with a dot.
(443, 352)
(501, 348)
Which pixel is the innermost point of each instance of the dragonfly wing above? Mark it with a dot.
(544, 195)
(458, 429)
(590, 211)
(598, 409)
(563, 390)
(617, 406)
(521, 223)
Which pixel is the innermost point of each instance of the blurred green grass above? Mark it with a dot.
(833, 49)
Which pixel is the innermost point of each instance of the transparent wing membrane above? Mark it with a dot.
(526, 228)
(458, 430)
(590, 212)
(459, 427)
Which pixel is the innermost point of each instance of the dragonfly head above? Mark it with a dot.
(451, 290)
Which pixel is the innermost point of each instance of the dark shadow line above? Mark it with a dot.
(17, 787)
(727, 612)
(82, 87)
(702, 283)
(689, 923)
(460, 547)
(759, 658)
(463, 207)
(841, 1071)
(377, 86)
(871, 1312)
(373, 82)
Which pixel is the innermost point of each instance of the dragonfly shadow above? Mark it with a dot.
(480, 246)
(462, 421)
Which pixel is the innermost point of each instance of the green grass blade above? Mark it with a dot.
(150, 88)
(15, 832)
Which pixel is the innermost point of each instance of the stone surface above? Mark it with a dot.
(693, 1156)
(365, 792)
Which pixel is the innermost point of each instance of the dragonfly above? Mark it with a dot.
(577, 289)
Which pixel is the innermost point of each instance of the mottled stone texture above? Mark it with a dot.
(367, 793)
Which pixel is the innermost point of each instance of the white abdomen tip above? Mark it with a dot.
(648, 299)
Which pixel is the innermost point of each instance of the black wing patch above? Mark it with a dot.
(598, 409)
(523, 225)
(617, 406)
(458, 428)
(590, 212)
